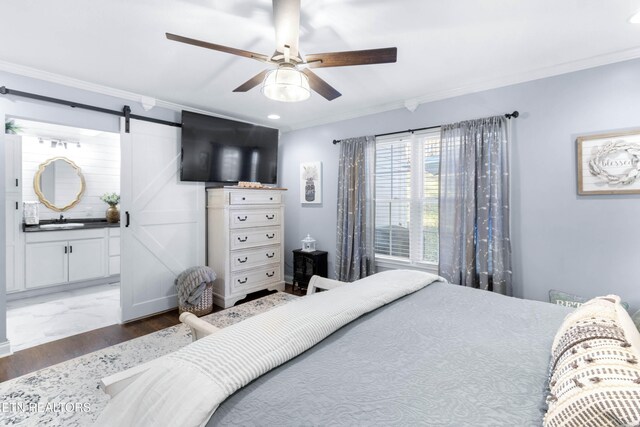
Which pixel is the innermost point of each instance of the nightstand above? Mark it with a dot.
(307, 264)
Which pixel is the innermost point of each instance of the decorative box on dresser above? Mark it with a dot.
(245, 241)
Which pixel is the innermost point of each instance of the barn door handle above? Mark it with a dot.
(242, 219)
(242, 282)
(271, 255)
(271, 274)
(128, 218)
(270, 216)
(243, 240)
(271, 236)
(242, 261)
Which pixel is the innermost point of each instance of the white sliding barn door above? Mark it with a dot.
(166, 226)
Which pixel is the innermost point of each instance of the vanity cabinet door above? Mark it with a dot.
(46, 264)
(87, 259)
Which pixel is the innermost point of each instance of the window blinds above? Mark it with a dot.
(406, 196)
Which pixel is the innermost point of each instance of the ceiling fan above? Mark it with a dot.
(292, 79)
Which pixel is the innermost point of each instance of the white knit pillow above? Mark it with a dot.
(594, 377)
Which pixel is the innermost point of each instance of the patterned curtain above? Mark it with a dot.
(475, 249)
(355, 228)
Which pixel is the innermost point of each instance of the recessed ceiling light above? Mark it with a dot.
(635, 19)
(273, 116)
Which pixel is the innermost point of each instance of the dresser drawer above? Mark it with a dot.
(244, 218)
(248, 258)
(256, 277)
(240, 239)
(256, 197)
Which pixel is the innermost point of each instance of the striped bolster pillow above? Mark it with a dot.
(594, 376)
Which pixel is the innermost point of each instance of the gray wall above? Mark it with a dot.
(584, 245)
(52, 113)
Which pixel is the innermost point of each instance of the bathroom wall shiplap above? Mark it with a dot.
(99, 159)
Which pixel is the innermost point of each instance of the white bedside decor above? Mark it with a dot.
(308, 244)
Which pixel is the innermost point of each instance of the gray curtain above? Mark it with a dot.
(475, 249)
(355, 228)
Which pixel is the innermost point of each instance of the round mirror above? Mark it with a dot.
(59, 184)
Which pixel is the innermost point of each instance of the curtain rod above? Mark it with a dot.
(514, 115)
(126, 110)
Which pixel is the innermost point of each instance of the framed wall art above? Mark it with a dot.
(311, 183)
(609, 163)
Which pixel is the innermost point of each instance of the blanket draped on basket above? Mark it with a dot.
(192, 282)
(186, 387)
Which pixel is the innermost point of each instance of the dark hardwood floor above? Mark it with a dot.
(38, 357)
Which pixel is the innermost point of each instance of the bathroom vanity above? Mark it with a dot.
(67, 255)
(69, 248)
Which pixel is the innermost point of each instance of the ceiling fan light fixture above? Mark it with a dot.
(286, 84)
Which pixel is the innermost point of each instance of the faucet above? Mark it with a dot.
(62, 219)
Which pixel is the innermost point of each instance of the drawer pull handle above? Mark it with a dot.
(270, 198)
(271, 236)
(242, 261)
(270, 216)
(242, 219)
(243, 240)
(271, 255)
(242, 282)
(271, 274)
(244, 198)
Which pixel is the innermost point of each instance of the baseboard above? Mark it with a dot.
(28, 293)
(5, 349)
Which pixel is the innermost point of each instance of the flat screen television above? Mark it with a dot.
(216, 150)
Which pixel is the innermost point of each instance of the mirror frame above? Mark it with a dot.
(38, 189)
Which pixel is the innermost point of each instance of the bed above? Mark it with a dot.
(441, 355)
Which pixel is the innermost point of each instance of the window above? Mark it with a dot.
(406, 197)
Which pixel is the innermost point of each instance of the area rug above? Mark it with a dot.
(67, 394)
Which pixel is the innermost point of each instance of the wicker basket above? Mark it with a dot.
(205, 306)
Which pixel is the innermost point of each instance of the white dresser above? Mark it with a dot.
(245, 241)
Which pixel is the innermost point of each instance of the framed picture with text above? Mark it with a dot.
(609, 163)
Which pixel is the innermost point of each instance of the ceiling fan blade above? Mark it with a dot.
(247, 54)
(354, 57)
(252, 82)
(320, 86)
(286, 19)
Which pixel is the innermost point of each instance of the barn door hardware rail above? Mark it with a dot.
(126, 110)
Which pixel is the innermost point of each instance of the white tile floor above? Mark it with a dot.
(36, 320)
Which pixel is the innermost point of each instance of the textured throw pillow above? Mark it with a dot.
(594, 377)
(571, 300)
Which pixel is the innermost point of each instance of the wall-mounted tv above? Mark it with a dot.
(216, 150)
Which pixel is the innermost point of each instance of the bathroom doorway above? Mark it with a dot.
(63, 256)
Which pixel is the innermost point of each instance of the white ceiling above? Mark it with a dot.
(445, 48)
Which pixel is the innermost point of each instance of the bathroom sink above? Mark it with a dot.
(64, 225)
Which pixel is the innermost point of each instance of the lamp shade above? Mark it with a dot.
(286, 84)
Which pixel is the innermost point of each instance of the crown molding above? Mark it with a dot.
(503, 81)
(22, 70)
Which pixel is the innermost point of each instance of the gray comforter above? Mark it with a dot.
(443, 356)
